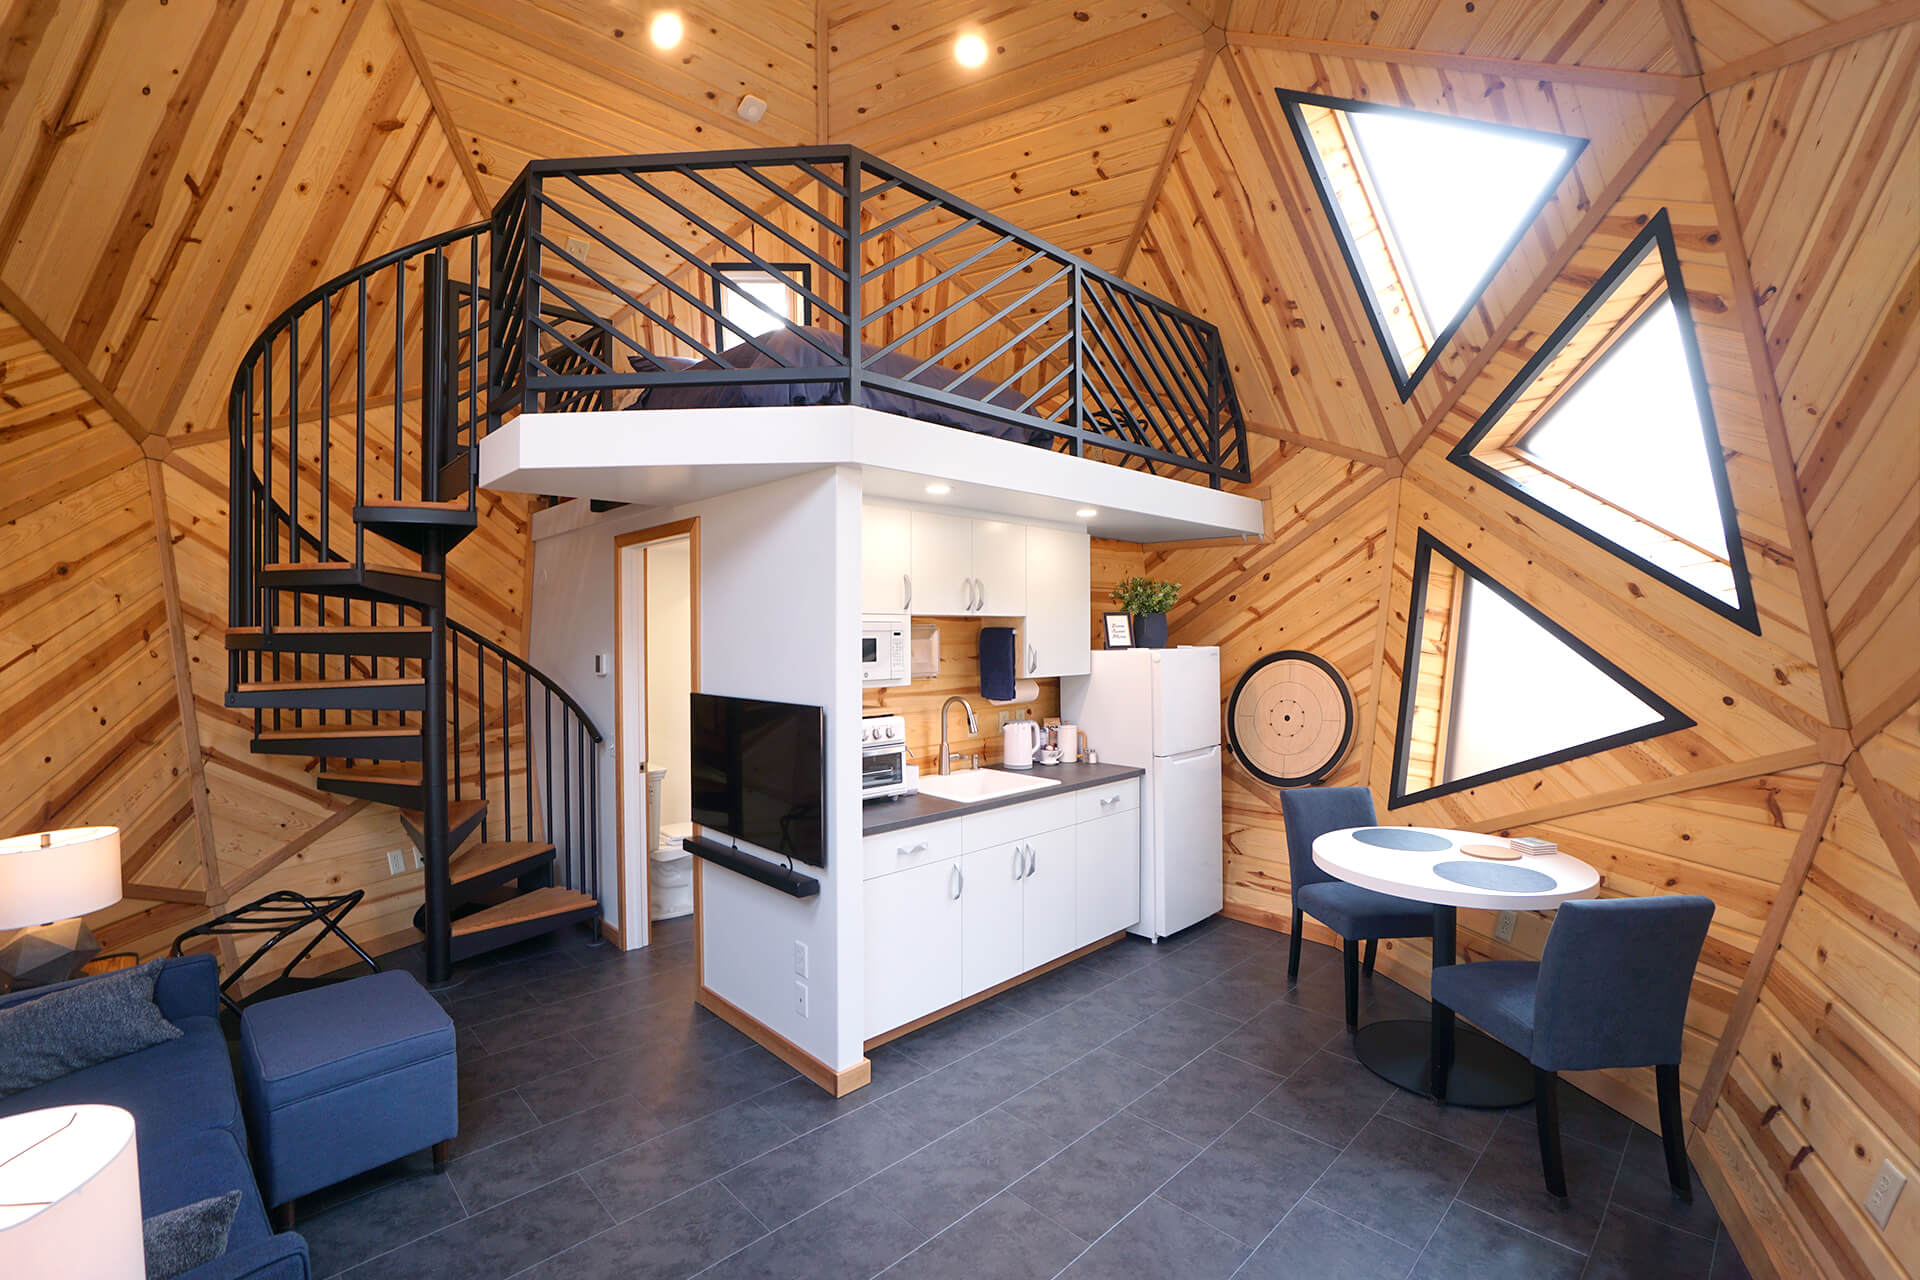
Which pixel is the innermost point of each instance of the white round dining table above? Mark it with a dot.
(1433, 865)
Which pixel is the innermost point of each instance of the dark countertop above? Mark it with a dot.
(899, 812)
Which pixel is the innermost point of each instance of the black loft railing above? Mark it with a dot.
(900, 291)
(522, 744)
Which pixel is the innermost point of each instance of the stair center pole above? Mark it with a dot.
(433, 778)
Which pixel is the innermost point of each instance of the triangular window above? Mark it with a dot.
(1609, 430)
(1426, 207)
(1494, 688)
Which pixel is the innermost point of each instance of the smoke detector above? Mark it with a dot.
(751, 109)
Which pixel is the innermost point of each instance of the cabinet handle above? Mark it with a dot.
(966, 585)
(906, 589)
(1033, 660)
(1109, 800)
(980, 595)
(1017, 864)
(1033, 860)
(955, 883)
(905, 852)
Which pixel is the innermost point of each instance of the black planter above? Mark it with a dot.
(1150, 630)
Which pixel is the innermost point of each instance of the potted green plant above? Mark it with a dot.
(1148, 600)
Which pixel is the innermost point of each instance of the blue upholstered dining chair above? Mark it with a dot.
(1610, 990)
(1356, 914)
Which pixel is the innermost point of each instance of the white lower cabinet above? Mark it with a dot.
(1014, 888)
(913, 943)
(1107, 874)
(992, 910)
(1050, 928)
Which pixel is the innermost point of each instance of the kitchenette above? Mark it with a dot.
(1027, 796)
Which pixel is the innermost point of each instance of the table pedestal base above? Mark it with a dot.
(1485, 1073)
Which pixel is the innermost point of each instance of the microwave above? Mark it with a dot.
(885, 643)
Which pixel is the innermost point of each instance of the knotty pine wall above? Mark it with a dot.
(1795, 197)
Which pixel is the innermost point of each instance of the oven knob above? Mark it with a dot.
(891, 731)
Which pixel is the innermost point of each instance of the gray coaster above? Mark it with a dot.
(1405, 839)
(1495, 875)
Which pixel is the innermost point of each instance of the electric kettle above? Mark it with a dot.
(1019, 739)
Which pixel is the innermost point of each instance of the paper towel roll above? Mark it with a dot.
(1023, 691)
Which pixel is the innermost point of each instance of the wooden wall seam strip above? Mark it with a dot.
(1874, 796)
(183, 683)
(1296, 204)
(1813, 600)
(1811, 832)
(822, 35)
(1868, 22)
(242, 253)
(1680, 31)
(1650, 82)
(69, 360)
(1597, 212)
(423, 68)
(1380, 629)
(1216, 41)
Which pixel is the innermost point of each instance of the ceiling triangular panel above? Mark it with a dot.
(1609, 430)
(1495, 688)
(1425, 207)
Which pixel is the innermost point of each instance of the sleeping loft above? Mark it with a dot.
(1182, 640)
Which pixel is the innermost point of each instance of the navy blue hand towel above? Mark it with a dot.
(996, 663)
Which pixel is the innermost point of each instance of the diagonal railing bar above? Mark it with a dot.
(897, 221)
(946, 276)
(814, 214)
(1019, 337)
(993, 319)
(567, 342)
(965, 300)
(664, 279)
(1137, 405)
(874, 193)
(753, 215)
(720, 237)
(826, 180)
(1150, 372)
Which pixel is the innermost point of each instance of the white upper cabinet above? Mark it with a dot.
(1059, 591)
(942, 563)
(999, 568)
(886, 558)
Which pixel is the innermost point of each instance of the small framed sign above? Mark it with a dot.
(1119, 630)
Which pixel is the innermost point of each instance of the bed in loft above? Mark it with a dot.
(927, 307)
(802, 348)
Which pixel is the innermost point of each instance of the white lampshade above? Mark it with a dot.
(56, 875)
(70, 1195)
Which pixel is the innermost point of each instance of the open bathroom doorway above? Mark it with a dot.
(658, 668)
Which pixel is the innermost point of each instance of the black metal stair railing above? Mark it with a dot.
(901, 290)
(521, 743)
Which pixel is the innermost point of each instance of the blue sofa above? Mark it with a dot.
(187, 1120)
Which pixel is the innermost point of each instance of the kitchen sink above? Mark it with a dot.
(981, 784)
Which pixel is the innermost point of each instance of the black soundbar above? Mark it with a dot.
(788, 882)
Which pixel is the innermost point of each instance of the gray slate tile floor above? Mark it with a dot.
(1170, 1111)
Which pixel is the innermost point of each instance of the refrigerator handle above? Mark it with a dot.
(1194, 754)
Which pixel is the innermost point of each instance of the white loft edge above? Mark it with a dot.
(667, 457)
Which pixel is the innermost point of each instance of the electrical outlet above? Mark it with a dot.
(1004, 717)
(1885, 1190)
(1503, 927)
(396, 861)
(578, 247)
(800, 998)
(800, 958)
(419, 860)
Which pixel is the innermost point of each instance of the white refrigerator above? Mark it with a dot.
(1159, 709)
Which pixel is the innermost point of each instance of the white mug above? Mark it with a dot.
(1068, 736)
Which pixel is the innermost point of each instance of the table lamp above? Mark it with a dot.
(70, 1195)
(48, 880)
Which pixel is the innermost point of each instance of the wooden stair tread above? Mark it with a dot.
(459, 812)
(297, 686)
(374, 773)
(304, 566)
(249, 632)
(479, 859)
(538, 905)
(384, 504)
(338, 731)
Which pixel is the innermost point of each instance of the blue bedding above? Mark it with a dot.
(793, 350)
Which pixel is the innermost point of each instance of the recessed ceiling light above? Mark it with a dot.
(970, 51)
(938, 489)
(1086, 513)
(666, 29)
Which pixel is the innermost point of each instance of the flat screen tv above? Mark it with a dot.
(759, 774)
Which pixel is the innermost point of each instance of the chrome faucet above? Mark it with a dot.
(973, 726)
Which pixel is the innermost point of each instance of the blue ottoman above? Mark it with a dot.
(344, 1078)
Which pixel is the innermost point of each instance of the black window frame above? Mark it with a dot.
(800, 281)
